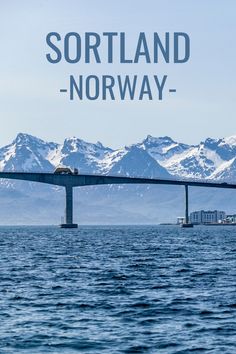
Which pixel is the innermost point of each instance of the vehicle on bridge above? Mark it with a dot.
(62, 170)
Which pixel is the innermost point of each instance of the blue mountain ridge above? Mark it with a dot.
(160, 157)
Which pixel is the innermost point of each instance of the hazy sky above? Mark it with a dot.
(203, 106)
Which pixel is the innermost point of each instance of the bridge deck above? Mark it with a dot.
(90, 180)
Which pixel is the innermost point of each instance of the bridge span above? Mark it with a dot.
(69, 181)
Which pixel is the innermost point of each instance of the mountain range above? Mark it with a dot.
(161, 157)
(152, 157)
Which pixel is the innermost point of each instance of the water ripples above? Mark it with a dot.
(117, 290)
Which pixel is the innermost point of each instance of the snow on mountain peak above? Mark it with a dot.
(226, 171)
(75, 152)
(136, 162)
(151, 157)
(26, 153)
(162, 148)
(231, 140)
(150, 140)
(27, 139)
(74, 144)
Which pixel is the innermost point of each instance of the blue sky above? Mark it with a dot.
(203, 106)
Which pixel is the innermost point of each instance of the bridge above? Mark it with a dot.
(69, 181)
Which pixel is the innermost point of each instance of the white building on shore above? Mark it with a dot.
(207, 217)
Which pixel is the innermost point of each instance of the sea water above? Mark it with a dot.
(118, 289)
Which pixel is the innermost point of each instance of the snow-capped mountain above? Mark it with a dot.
(137, 162)
(27, 153)
(204, 160)
(226, 171)
(80, 154)
(162, 148)
(195, 162)
(152, 157)
(160, 157)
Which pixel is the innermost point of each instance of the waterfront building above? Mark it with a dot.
(180, 220)
(231, 219)
(207, 217)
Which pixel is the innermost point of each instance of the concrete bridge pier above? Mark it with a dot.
(69, 209)
(187, 223)
(186, 205)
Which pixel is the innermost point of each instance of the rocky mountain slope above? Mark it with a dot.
(162, 157)
(152, 157)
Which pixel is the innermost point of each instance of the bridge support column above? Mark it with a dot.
(187, 223)
(186, 205)
(69, 209)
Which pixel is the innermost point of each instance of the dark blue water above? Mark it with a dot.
(118, 290)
